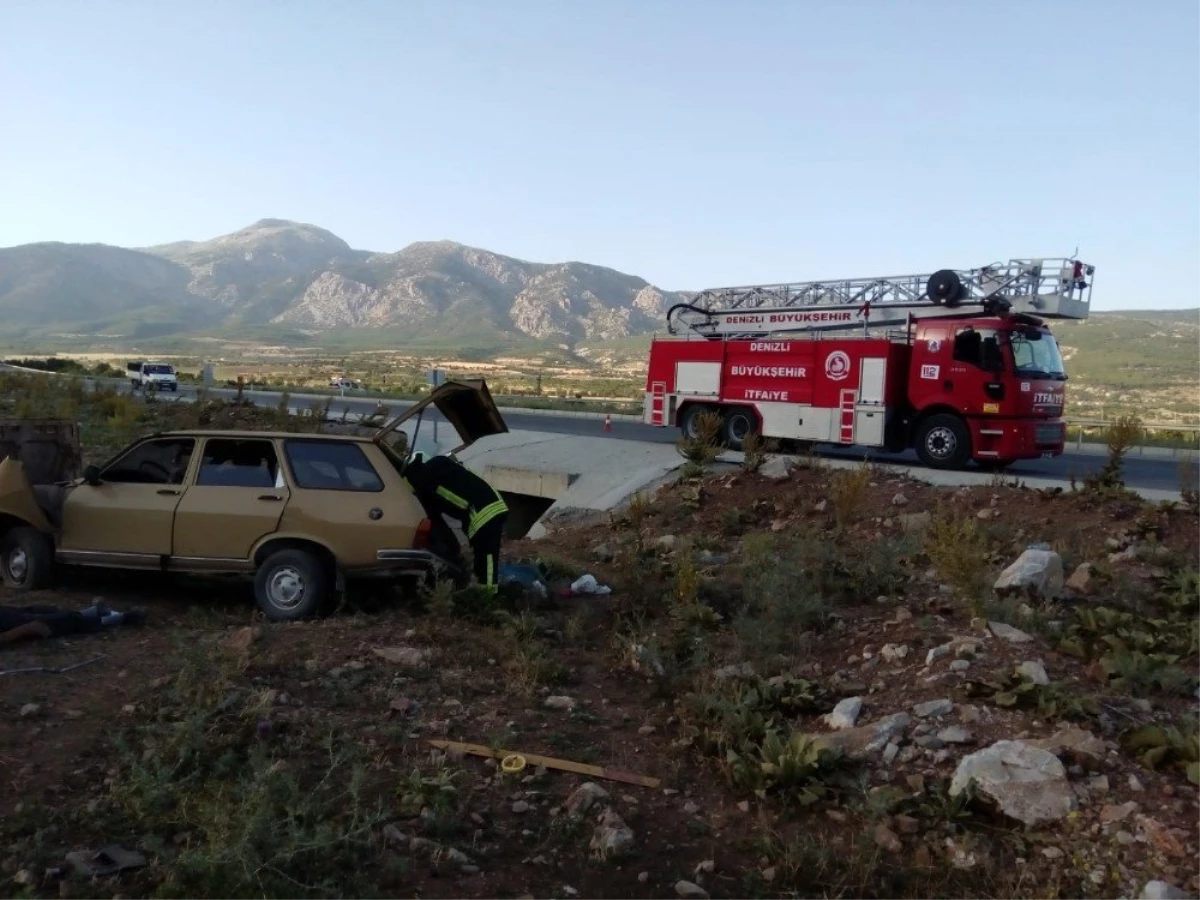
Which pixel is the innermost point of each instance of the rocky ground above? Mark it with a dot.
(817, 666)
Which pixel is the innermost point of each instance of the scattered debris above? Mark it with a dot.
(587, 584)
(409, 657)
(550, 762)
(52, 670)
(108, 860)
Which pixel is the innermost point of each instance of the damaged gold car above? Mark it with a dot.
(302, 513)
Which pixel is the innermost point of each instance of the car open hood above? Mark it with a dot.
(466, 405)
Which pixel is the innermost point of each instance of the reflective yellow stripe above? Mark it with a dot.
(491, 570)
(485, 515)
(450, 497)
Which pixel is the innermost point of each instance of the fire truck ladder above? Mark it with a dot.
(1047, 288)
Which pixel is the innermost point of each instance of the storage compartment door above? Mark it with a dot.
(871, 387)
(868, 426)
(698, 378)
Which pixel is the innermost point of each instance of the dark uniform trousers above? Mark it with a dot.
(451, 488)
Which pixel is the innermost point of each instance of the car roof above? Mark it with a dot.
(303, 435)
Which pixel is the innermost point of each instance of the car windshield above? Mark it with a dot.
(158, 370)
(1038, 356)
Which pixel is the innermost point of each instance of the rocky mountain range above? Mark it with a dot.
(281, 275)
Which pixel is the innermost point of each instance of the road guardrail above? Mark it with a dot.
(1081, 424)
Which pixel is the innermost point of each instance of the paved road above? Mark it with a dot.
(1155, 474)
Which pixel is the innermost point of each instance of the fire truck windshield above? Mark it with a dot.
(1035, 353)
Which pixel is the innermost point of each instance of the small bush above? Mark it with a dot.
(1122, 435)
(1189, 488)
(848, 492)
(755, 450)
(959, 552)
(703, 449)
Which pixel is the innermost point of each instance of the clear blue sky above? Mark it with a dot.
(692, 143)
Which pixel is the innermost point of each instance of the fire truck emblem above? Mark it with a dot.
(837, 365)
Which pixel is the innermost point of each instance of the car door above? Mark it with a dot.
(130, 511)
(237, 496)
(348, 498)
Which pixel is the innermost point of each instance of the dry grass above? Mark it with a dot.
(848, 493)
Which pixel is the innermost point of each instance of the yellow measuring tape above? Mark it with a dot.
(512, 764)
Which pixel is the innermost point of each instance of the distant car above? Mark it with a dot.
(299, 512)
(152, 375)
(345, 383)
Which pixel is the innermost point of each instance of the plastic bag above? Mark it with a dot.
(587, 584)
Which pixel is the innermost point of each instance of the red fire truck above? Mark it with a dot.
(958, 365)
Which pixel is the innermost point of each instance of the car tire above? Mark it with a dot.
(943, 442)
(291, 585)
(739, 424)
(26, 559)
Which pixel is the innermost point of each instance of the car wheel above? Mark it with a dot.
(739, 425)
(291, 585)
(26, 559)
(943, 442)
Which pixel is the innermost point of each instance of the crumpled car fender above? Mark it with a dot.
(17, 498)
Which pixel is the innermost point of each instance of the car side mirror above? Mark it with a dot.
(92, 475)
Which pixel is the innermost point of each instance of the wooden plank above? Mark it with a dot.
(550, 762)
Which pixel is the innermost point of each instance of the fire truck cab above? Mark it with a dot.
(954, 365)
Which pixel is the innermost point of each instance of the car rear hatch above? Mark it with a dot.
(468, 407)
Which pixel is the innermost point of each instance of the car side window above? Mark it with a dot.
(156, 461)
(238, 462)
(331, 466)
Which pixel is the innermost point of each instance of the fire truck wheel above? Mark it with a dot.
(945, 287)
(739, 425)
(687, 419)
(943, 442)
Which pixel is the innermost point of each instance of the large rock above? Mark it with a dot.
(1076, 744)
(865, 739)
(583, 798)
(777, 468)
(844, 714)
(1026, 783)
(1035, 571)
(409, 657)
(1162, 890)
(1033, 670)
(1081, 579)
(612, 835)
(1007, 633)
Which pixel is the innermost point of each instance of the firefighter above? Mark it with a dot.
(451, 488)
